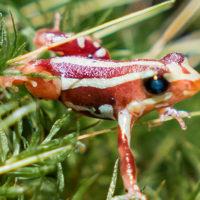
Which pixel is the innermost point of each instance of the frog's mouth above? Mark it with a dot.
(195, 87)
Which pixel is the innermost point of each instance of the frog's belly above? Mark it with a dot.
(90, 102)
(103, 102)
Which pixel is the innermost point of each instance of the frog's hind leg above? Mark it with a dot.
(127, 162)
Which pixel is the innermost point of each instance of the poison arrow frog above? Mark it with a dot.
(117, 90)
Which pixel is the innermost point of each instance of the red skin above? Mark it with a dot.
(118, 97)
(45, 37)
(126, 162)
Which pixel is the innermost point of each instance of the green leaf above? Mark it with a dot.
(4, 147)
(7, 107)
(55, 128)
(113, 181)
(17, 115)
(10, 46)
(33, 172)
(11, 191)
(61, 178)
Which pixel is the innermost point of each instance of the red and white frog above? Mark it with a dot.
(117, 90)
(82, 46)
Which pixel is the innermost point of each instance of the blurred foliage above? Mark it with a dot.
(40, 154)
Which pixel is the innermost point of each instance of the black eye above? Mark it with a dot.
(90, 56)
(156, 84)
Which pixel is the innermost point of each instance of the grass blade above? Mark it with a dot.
(178, 23)
(134, 18)
(113, 181)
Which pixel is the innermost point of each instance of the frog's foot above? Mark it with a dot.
(178, 115)
(134, 195)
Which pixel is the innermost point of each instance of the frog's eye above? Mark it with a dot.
(90, 56)
(156, 84)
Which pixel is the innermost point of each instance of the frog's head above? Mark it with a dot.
(179, 80)
(170, 82)
(183, 80)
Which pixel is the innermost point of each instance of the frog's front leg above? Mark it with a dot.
(171, 112)
(127, 163)
(38, 87)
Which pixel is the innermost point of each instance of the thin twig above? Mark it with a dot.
(34, 54)
(88, 135)
(152, 123)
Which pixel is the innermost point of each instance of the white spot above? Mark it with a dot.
(81, 42)
(186, 92)
(107, 111)
(34, 83)
(96, 44)
(100, 52)
(129, 171)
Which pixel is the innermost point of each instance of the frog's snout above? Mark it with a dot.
(197, 84)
